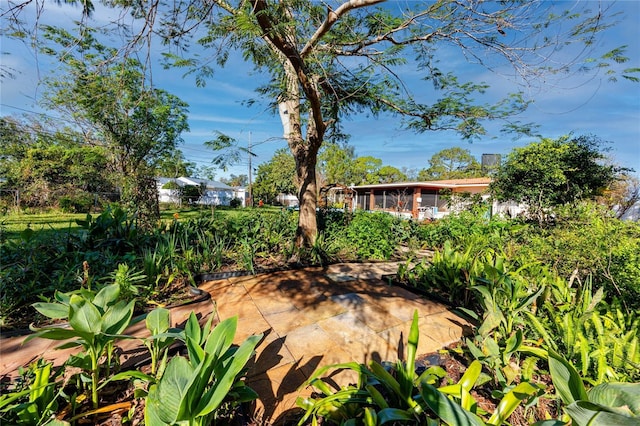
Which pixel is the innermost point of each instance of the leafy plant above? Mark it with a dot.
(605, 404)
(128, 279)
(192, 389)
(41, 394)
(158, 322)
(95, 321)
(452, 272)
(598, 338)
(398, 394)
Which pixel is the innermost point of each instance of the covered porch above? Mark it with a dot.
(417, 200)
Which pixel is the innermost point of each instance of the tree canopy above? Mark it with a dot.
(325, 61)
(451, 163)
(47, 164)
(113, 98)
(274, 177)
(553, 172)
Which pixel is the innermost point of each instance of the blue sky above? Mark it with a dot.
(580, 105)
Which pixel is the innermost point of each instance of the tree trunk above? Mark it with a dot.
(307, 195)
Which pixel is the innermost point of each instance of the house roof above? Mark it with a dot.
(209, 184)
(183, 181)
(448, 183)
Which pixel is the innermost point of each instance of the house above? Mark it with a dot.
(417, 200)
(210, 192)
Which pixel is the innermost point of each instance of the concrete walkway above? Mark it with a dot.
(310, 318)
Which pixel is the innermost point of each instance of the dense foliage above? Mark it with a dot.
(554, 172)
(570, 288)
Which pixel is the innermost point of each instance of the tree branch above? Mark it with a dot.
(332, 18)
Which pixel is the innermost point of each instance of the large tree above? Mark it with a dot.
(112, 98)
(327, 60)
(451, 163)
(173, 164)
(274, 177)
(335, 163)
(553, 172)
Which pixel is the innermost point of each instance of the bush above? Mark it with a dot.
(370, 235)
(172, 184)
(80, 203)
(235, 203)
(461, 228)
(589, 239)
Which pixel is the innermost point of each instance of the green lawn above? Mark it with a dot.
(45, 223)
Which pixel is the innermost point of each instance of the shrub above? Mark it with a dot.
(589, 239)
(235, 203)
(79, 203)
(370, 235)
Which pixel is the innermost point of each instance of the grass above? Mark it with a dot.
(47, 223)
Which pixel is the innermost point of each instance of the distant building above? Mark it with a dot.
(210, 192)
(418, 200)
(426, 200)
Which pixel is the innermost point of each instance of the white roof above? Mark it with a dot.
(185, 181)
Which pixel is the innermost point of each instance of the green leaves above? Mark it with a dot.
(386, 394)
(95, 321)
(615, 404)
(194, 388)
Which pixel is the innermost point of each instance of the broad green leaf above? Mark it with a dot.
(63, 298)
(167, 398)
(117, 317)
(152, 408)
(221, 337)
(585, 413)
(192, 329)
(454, 390)
(511, 401)
(394, 415)
(447, 410)
(84, 317)
(491, 346)
(617, 395)
(513, 343)
(468, 380)
(107, 296)
(40, 381)
(244, 393)
(219, 390)
(158, 321)
(52, 310)
(53, 334)
(566, 379)
(196, 353)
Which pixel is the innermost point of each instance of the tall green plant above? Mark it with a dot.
(96, 321)
(41, 402)
(192, 389)
(605, 404)
(396, 393)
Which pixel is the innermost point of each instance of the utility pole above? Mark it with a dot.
(250, 154)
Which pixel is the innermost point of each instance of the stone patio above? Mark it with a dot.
(309, 317)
